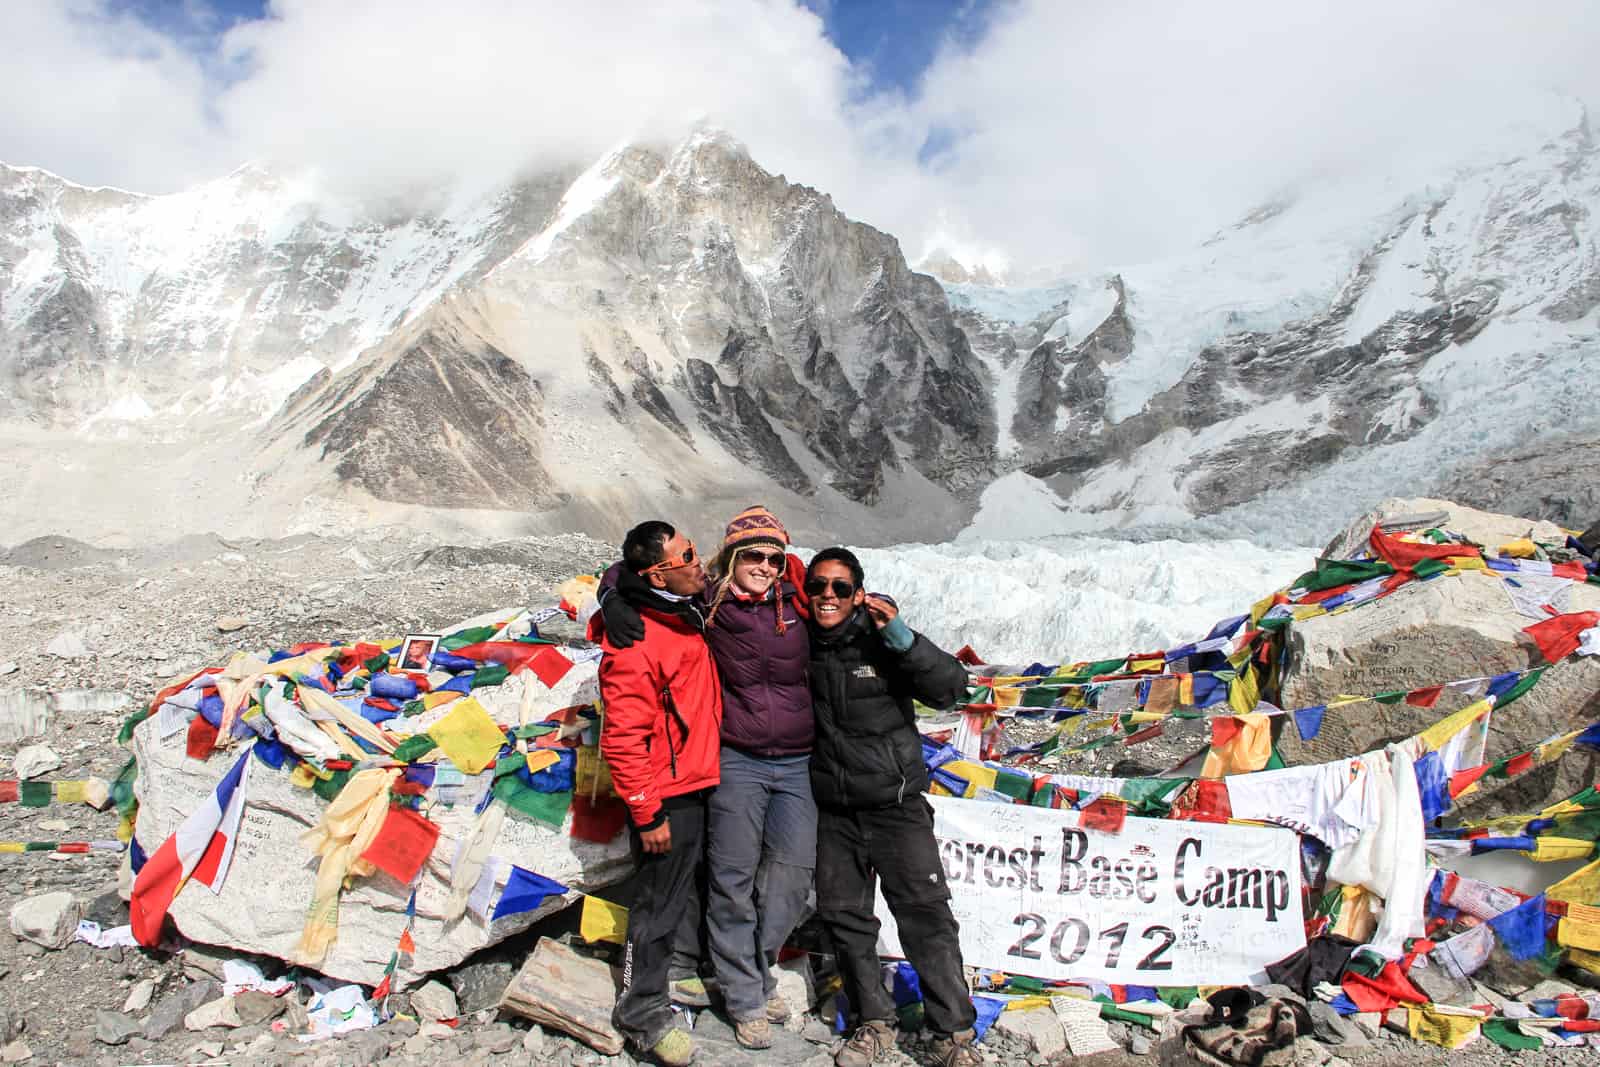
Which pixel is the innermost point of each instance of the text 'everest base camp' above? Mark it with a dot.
(329, 788)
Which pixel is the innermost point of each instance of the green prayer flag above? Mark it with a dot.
(463, 638)
(493, 674)
(1044, 797)
(1275, 761)
(125, 734)
(1014, 785)
(122, 789)
(34, 794)
(1525, 683)
(377, 664)
(42, 846)
(1427, 568)
(1392, 697)
(1177, 996)
(414, 746)
(548, 808)
(1121, 1015)
(1024, 983)
(1332, 573)
(1152, 796)
(330, 787)
(1505, 1033)
(1039, 696)
(413, 707)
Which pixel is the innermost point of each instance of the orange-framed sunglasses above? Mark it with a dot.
(669, 565)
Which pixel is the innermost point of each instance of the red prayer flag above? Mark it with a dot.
(599, 820)
(406, 944)
(1155, 729)
(1105, 814)
(1402, 555)
(968, 656)
(202, 739)
(1384, 991)
(1424, 698)
(546, 662)
(1224, 728)
(403, 844)
(1519, 763)
(9, 792)
(1560, 636)
(1461, 779)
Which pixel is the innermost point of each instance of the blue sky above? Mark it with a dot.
(890, 42)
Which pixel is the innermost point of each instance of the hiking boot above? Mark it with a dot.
(872, 1039)
(753, 1033)
(675, 1048)
(689, 992)
(956, 1050)
(777, 1009)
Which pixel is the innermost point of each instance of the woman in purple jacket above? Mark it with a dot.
(762, 847)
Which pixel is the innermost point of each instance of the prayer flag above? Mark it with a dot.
(1521, 928)
(1308, 721)
(468, 736)
(206, 835)
(403, 844)
(525, 891)
(603, 921)
(1426, 697)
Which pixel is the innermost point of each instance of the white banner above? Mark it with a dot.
(1159, 903)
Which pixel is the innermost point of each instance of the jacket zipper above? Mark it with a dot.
(673, 713)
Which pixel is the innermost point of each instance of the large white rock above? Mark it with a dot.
(49, 919)
(35, 760)
(1038, 1026)
(1435, 632)
(262, 904)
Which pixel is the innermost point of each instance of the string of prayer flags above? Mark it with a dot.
(1522, 928)
(403, 844)
(65, 847)
(1558, 637)
(544, 660)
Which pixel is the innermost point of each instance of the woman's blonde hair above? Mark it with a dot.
(720, 575)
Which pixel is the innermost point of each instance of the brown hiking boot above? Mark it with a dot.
(956, 1050)
(777, 1009)
(753, 1033)
(872, 1039)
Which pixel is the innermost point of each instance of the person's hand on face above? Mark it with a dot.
(833, 593)
(756, 569)
(681, 571)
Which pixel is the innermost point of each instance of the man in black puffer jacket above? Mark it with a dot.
(873, 822)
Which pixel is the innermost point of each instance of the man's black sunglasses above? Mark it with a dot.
(841, 588)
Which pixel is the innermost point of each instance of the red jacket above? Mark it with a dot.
(663, 716)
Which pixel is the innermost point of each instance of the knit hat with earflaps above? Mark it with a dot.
(754, 525)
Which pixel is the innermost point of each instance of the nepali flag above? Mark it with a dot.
(200, 849)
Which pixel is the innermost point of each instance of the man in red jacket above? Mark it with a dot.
(663, 721)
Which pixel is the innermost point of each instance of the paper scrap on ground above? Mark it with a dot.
(241, 975)
(90, 931)
(1086, 1031)
(339, 1011)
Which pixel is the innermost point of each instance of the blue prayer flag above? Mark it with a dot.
(1308, 721)
(1521, 929)
(525, 891)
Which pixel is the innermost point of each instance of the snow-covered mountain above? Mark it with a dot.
(674, 330)
(1323, 353)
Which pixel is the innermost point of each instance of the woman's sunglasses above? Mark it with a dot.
(842, 589)
(671, 565)
(771, 559)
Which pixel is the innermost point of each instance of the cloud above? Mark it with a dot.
(1089, 134)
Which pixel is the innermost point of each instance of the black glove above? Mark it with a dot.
(623, 624)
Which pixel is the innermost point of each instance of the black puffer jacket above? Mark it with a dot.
(868, 753)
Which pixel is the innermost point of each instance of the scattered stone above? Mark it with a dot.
(35, 760)
(16, 1052)
(1440, 986)
(818, 1032)
(170, 1012)
(1308, 1052)
(434, 1031)
(1329, 1026)
(1038, 1030)
(206, 961)
(8, 668)
(219, 1012)
(114, 1028)
(796, 986)
(49, 919)
(205, 1050)
(481, 984)
(433, 1001)
(24, 714)
(560, 988)
(11, 1024)
(68, 644)
(1141, 1043)
(533, 1041)
(254, 1007)
(1369, 1022)
(497, 1039)
(139, 996)
(230, 623)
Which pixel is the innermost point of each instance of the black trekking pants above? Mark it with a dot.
(854, 850)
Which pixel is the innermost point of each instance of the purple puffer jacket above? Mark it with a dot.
(766, 688)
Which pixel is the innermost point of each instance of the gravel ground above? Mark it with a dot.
(147, 615)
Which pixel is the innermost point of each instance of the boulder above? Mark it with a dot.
(433, 1001)
(1039, 1028)
(1428, 633)
(567, 991)
(35, 760)
(114, 1028)
(49, 919)
(262, 904)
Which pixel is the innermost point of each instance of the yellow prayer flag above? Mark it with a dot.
(1439, 734)
(1154, 664)
(1521, 548)
(592, 777)
(434, 700)
(1469, 563)
(603, 921)
(1551, 751)
(1248, 750)
(1302, 612)
(1007, 698)
(1261, 607)
(301, 775)
(1589, 961)
(1444, 1028)
(1546, 849)
(70, 792)
(13, 846)
(1580, 928)
(540, 758)
(468, 736)
(1186, 690)
(1027, 1003)
(1244, 693)
(980, 776)
(1582, 886)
